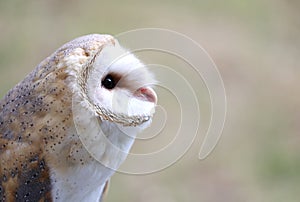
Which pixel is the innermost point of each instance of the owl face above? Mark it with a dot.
(118, 82)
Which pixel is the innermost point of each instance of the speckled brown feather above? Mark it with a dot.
(34, 116)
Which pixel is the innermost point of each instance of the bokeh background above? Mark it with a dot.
(256, 46)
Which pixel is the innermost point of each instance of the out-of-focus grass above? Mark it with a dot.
(256, 47)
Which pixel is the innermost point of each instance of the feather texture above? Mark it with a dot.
(59, 127)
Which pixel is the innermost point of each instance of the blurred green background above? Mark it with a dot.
(256, 46)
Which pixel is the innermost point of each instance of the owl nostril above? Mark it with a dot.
(147, 94)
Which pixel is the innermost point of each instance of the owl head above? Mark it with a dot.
(111, 82)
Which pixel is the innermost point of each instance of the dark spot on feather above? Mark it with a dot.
(33, 183)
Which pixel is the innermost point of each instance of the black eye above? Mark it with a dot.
(109, 82)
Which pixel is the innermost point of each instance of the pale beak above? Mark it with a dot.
(147, 94)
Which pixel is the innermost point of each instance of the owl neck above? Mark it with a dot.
(103, 152)
(92, 156)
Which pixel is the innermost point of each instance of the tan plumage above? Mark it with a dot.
(42, 156)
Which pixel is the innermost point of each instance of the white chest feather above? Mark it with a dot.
(88, 165)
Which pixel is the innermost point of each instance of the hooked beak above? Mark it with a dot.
(146, 94)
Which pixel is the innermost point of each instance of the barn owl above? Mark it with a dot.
(69, 124)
